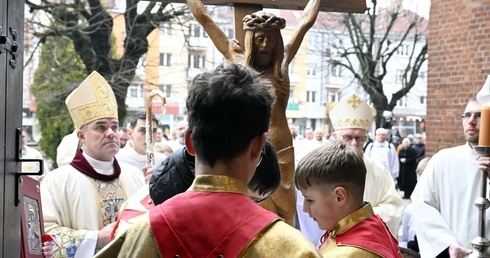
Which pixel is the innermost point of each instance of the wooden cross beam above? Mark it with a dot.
(244, 7)
(352, 6)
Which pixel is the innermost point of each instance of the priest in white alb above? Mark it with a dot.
(446, 218)
(80, 200)
(134, 153)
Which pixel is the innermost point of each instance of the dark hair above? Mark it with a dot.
(267, 176)
(140, 116)
(176, 173)
(226, 110)
(335, 164)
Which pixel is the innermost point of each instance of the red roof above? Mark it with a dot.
(333, 20)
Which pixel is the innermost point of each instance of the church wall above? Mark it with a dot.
(459, 61)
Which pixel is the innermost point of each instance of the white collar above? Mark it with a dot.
(101, 167)
(133, 154)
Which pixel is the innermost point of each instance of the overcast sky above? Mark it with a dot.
(422, 7)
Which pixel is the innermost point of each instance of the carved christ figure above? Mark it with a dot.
(263, 49)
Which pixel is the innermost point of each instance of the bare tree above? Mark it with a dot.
(375, 37)
(89, 25)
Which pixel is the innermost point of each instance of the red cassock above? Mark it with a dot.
(369, 236)
(195, 224)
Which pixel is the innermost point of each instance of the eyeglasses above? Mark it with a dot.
(348, 138)
(261, 156)
(467, 116)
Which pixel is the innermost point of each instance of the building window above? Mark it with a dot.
(399, 76)
(135, 91)
(333, 97)
(315, 41)
(335, 70)
(195, 30)
(166, 29)
(328, 52)
(403, 50)
(335, 41)
(311, 96)
(402, 102)
(166, 89)
(165, 59)
(423, 100)
(311, 70)
(196, 61)
(229, 32)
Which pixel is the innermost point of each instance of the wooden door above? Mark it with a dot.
(11, 64)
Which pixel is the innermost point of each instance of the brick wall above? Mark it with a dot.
(459, 61)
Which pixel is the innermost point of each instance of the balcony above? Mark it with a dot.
(192, 72)
(334, 82)
(306, 111)
(292, 106)
(198, 43)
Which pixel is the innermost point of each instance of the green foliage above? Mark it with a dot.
(89, 25)
(60, 70)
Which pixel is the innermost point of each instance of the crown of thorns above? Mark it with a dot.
(263, 21)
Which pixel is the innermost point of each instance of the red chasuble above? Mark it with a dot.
(128, 214)
(371, 234)
(207, 224)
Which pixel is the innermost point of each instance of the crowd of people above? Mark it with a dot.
(130, 210)
(400, 158)
(441, 219)
(236, 180)
(337, 179)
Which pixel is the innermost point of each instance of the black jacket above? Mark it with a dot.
(173, 176)
(420, 149)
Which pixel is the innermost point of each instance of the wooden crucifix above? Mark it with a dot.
(260, 46)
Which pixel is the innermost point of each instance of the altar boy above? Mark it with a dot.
(332, 179)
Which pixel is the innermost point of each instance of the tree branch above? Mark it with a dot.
(368, 59)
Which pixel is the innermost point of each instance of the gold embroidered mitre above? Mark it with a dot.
(93, 99)
(352, 112)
